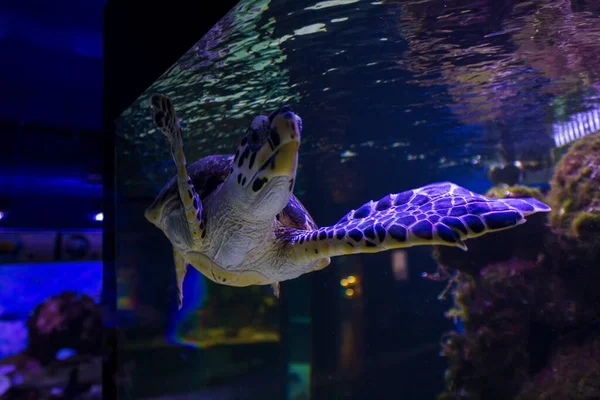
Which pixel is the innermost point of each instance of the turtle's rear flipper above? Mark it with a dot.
(167, 121)
(180, 271)
(437, 214)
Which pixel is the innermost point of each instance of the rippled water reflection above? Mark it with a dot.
(445, 83)
(502, 59)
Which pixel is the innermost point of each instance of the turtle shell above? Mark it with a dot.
(207, 174)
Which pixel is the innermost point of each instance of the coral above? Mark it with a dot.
(578, 367)
(528, 297)
(574, 248)
(67, 320)
(586, 225)
(575, 193)
(483, 363)
(514, 192)
(513, 312)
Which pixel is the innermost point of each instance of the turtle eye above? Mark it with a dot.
(254, 140)
(282, 110)
(272, 116)
(258, 132)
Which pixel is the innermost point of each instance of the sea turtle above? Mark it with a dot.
(235, 219)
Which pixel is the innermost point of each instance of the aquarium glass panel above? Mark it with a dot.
(448, 153)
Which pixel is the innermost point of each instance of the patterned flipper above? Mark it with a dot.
(437, 214)
(167, 121)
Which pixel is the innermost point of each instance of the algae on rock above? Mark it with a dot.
(529, 298)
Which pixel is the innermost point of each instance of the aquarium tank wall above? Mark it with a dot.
(449, 155)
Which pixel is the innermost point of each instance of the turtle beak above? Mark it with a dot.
(279, 155)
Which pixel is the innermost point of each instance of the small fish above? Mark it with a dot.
(64, 354)
(458, 325)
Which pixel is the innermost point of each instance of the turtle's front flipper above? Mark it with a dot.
(180, 271)
(436, 214)
(166, 119)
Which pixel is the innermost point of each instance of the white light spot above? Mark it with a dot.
(346, 155)
(64, 354)
(330, 3)
(307, 30)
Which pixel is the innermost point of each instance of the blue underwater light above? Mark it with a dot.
(458, 325)
(24, 286)
(195, 295)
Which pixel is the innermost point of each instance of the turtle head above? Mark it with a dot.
(264, 165)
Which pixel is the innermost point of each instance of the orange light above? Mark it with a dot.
(344, 282)
(349, 292)
(351, 279)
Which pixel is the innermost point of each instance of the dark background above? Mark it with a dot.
(51, 113)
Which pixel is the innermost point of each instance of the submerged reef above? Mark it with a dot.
(63, 359)
(573, 373)
(68, 320)
(575, 193)
(528, 298)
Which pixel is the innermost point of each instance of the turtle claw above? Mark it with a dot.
(164, 116)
